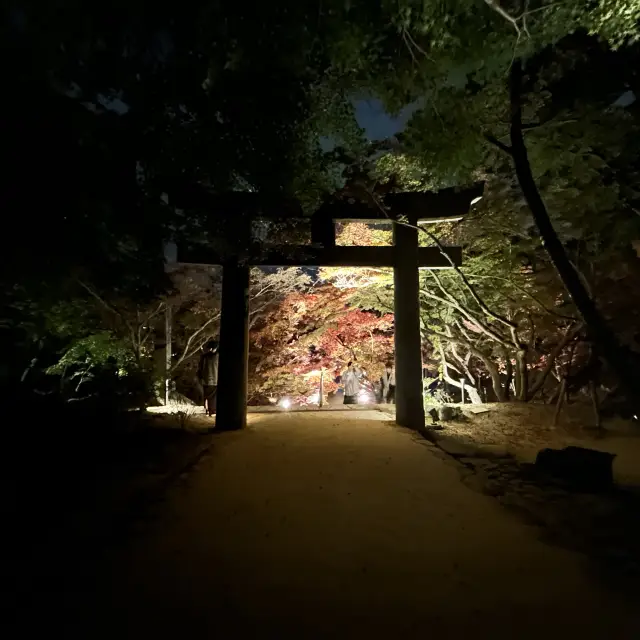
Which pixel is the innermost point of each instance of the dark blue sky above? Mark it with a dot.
(377, 123)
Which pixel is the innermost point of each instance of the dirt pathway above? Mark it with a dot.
(335, 526)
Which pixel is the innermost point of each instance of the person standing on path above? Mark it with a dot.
(208, 376)
(351, 382)
(389, 384)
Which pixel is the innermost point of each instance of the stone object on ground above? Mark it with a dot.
(448, 413)
(585, 469)
(456, 448)
(476, 408)
(495, 451)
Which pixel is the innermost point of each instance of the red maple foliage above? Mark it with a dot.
(313, 332)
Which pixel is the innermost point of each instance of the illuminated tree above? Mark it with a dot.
(316, 331)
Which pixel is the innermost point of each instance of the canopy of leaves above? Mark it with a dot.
(314, 331)
(144, 103)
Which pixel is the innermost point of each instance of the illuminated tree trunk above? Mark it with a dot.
(508, 376)
(462, 383)
(522, 376)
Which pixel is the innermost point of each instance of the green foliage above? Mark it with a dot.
(616, 20)
(102, 367)
(448, 138)
(69, 319)
(451, 59)
(408, 171)
(100, 350)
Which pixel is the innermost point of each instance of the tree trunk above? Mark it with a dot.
(493, 371)
(561, 398)
(167, 354)
(495, 382)
(553, 355)
(619, 359)
(474, 396)
(522, 375)
(509, 375)
(593, 392)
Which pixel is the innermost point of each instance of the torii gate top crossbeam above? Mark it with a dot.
(422, 206)
(238, 209)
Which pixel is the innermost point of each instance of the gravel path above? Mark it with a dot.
(334, 526)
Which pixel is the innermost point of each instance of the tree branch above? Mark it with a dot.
(469, 286)
(491, 367)
(468, 315)
(463, 364)
(101, 300)
(153, 314)
(191, 338)
(496, 143)
(553, 355)
(115, 311)
(529, 294)
(507, 16)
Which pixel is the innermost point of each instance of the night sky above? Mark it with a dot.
(377, 123)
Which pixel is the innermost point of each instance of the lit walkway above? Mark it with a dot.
(321, 525)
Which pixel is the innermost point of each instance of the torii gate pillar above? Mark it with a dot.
(234, 347)
(408, 347)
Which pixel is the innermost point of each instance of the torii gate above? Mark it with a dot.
(405, 256)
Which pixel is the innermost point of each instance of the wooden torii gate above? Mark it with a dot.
(405, 256)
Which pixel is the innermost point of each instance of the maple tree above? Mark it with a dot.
(195, 301)
(315, 331)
